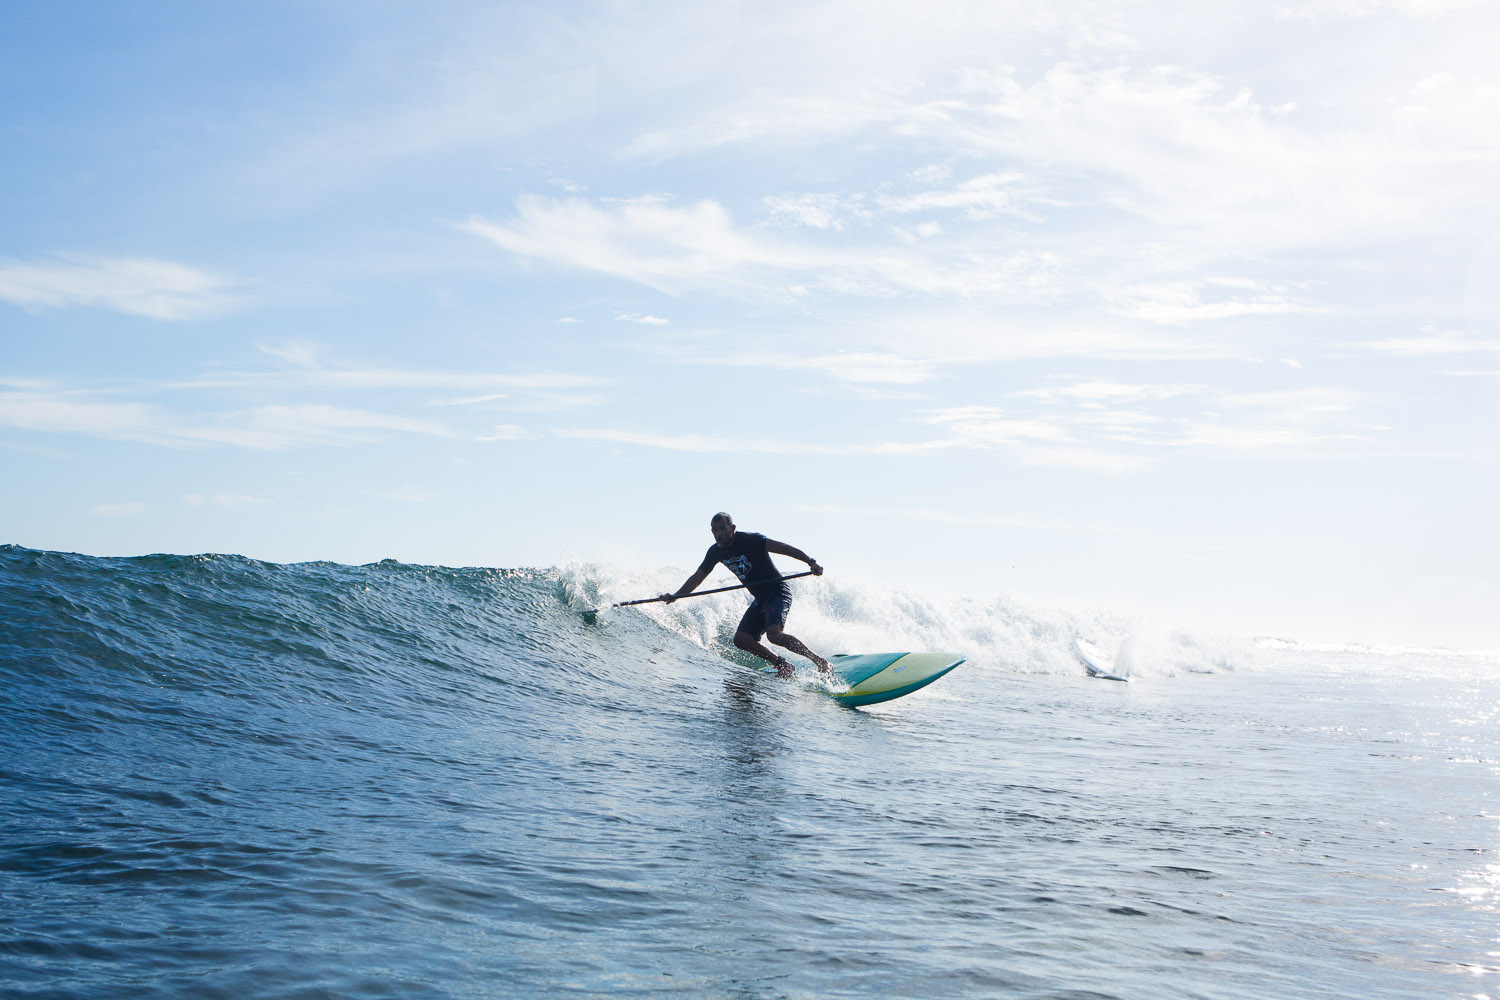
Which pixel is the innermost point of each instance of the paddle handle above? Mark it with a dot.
(716, 590)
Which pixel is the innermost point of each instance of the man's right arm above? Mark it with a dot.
(688, 586)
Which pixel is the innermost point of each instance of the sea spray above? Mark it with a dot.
(840, 615)
(1153, 649)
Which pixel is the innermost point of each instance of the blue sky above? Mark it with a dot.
(1185, 310)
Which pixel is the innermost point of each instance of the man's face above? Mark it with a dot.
(723, 530)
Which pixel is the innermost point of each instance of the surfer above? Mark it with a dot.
(747, 556)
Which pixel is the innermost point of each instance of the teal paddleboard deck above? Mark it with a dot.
(875, 677)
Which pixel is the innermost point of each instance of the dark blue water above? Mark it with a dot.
(229, 778)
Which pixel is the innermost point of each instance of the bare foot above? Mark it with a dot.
(784, 668)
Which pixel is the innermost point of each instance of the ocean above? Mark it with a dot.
(231, 778)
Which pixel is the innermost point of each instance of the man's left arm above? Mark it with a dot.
(783, 549)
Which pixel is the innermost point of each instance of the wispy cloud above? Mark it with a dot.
(1295, 403)
(66, 412)
(1098, 392)
(1115, 427)
(262, 428)
(700, 443)
(989, 425)
(887, 369)
(647, 240)
(626, 317)
(699, 248)
(130, 509)
(298, 353)
(222, 500)
(1196, 153)
(981, 197)
(1432, 342)
(819, 210)
(157, 413)
(349, 377)
(276, 427)
(798, 117)
(1041, 441)
(489, 397)
(1285, 440)
(404, 494)
(1281, 423)
(1029, 522)
(1030, 442)
(507, 432)
(1318, 10)
(140, 286)
(1189, 302)
(715, 444)
(858, 367)
(1104, 427)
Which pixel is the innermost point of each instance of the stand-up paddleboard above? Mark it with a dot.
(1097, 664)
(876, 677)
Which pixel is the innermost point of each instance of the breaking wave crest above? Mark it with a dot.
(836, 615)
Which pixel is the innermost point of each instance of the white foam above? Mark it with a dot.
(841, 615)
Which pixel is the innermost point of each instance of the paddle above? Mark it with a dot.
(699, 593)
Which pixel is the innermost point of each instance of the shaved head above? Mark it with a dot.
(722, 527)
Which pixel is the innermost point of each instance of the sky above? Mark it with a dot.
(1188, 311)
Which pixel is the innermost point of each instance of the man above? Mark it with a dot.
(747, 555)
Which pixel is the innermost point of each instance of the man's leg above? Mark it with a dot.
(786, 640)
(774, 615)
(750, 643)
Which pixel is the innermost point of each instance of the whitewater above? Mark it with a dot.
(230, 778)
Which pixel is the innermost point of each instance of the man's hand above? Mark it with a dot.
(817, 570)
(667, 598)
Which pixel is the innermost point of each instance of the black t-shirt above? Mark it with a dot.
(747, 558)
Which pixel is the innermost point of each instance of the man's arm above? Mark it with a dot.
(688, 586)
(783, 549)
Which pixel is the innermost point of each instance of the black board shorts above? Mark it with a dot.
(765, 611)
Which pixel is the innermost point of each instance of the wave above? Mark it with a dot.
(394, 637)
(840, 615)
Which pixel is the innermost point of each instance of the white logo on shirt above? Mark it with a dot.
(738, 565)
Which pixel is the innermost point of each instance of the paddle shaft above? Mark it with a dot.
(716, 590)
